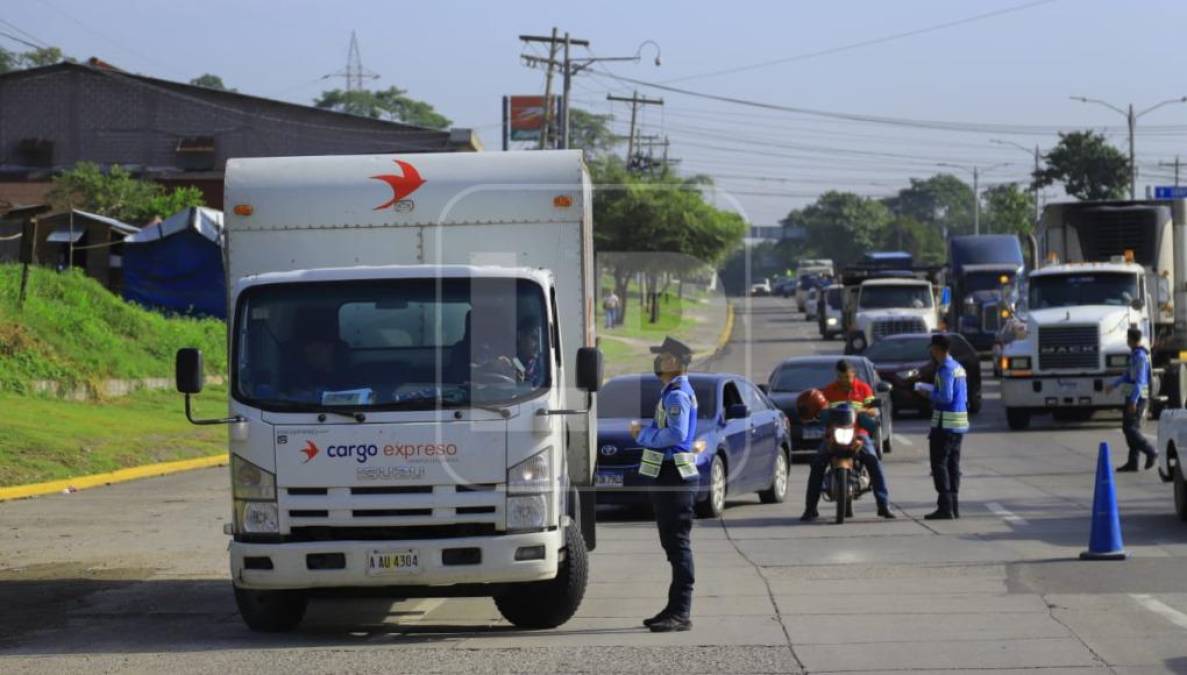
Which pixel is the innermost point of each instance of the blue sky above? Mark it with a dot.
(1015, 68)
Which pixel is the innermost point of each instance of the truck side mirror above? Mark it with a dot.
(188, 370)
(589, 369)
(1137, 303)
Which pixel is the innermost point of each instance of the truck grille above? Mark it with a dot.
(392, 507)
(991, 319)
(897, 326)
(1065, 347)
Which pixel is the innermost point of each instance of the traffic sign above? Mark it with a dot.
(1170, 191)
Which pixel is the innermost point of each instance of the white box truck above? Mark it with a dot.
(412, 378)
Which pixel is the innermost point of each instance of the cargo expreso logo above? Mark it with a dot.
(362, 452)
(402, 187)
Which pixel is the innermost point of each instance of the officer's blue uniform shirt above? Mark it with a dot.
(1137, 378)
(950, 397)
(674, 425)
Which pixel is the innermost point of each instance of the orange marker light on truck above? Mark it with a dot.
(562, 201)
(244, 209)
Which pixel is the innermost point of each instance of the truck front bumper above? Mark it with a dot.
(302, 565)
(1073, 391)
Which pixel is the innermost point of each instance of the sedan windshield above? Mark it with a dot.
(899, 350)
(895, 297)
(391, 344)
(806, 375)
(1101, 288)
(635, 398)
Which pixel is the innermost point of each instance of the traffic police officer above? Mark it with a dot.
(669, 461)
(949, 423)
(1135, 384)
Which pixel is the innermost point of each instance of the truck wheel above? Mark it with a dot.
(548, 604)
(714, 503)
(777, 492)
(271, 611)
(1180, 492)
(1017, 418)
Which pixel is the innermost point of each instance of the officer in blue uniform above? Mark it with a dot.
(949, 423)
(1135, 384)
(669, 461)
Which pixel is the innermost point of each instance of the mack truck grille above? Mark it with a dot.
(1066, 347)
(991, 318)
(897, 326)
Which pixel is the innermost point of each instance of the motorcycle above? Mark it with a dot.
(845, 478)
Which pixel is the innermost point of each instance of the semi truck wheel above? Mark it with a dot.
(271, 611)
(1017, 418)
(548, 604)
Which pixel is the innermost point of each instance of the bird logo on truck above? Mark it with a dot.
(310, 451)
(402, 187)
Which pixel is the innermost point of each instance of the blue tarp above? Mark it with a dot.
(177, 265)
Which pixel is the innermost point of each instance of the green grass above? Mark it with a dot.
(49, 439)
(73, 330)
(638, 326)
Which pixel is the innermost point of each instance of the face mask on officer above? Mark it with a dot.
(658, 365)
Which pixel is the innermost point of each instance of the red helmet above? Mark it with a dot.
(810, 404)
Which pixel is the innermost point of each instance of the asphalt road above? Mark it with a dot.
(133, 577)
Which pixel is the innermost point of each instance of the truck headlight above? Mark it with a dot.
(249, 481)
(832, 321)
(533, 474)
(528, 512)
(1117, 360)
(256, 517)
(1018, 363)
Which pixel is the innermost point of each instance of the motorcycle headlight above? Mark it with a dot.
(529, 512)
(256, 517)
(843, 435)
(533, 474)
(1118, 361)
(249, 481)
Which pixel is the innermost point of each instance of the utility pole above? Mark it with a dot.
(635, 100)
(976, 202)
(548, 91)
(1174, 164)
(1038, 155)
(567, 69)
(1131, 120)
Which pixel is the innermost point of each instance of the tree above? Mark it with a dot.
(391, 104)
(923, 242)
(943, 202)
(842, 225)
(591, 132)
(118, 194)
(1088, 167)
(210, 82)
(43, 56)
(1008, 210)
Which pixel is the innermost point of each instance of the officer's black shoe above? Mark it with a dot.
(809, 516)
(955, 506)
(884, 512)
(1128, 467)
(656, 619)
(939, 514)
(671, 624)
(1150, 459)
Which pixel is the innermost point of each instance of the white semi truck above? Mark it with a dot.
(412, 378)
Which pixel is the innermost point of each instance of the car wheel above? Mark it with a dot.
(714, 503)
(777, 492)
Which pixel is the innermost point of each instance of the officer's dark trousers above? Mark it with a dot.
(944, 448)
(867, 457)
(1131, 426)
(672, 499)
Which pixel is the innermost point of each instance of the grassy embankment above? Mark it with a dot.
(629, 351)
(73, 331)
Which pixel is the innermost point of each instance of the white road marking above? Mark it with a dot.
(900, 439)
(1161, 609)
(1005, 514)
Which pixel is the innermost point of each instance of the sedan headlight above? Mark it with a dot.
(1117, 360)
(249, 481)
(843, 435)
(909, 374)
(529, 512)
(533, 474)
(1018, 363)
(256, 517)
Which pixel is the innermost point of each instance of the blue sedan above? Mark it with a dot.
(742, 441)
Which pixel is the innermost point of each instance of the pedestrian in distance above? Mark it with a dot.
(949, 396)
(1135, 386)
(670, 463)
(610, 305)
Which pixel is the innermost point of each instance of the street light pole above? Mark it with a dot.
(1038, 158)
(1131, 119)
(976, 171)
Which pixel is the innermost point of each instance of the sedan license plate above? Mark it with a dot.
(402, 561)
(813, 433)
(608, 480)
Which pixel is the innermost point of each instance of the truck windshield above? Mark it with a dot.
(985, 281)
(895, 297)
(1068, 290)
(391, 344)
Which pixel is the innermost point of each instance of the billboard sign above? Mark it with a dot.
(526, 117)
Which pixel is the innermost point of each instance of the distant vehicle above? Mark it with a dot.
(807, 272)
(784, 288)
(979, 267)
(903, 360)
(796, 375)
(742, 440)
(812, 304)
(761, 288)
(831, 311)
(888, 307)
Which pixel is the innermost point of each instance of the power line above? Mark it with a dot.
(18, 29)
(14, 38)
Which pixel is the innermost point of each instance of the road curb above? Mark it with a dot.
(110, 477)
(723, 339)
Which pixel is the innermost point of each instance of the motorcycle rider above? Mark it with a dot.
(848, 389)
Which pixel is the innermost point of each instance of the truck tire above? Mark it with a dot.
(1180, 492)
(777, 492)
(1017, 418)
(271, 611)
(714, 503)
(548, 604)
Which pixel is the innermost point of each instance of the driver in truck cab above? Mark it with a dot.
(318, 359)
(846, 390)
(1135, 384)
